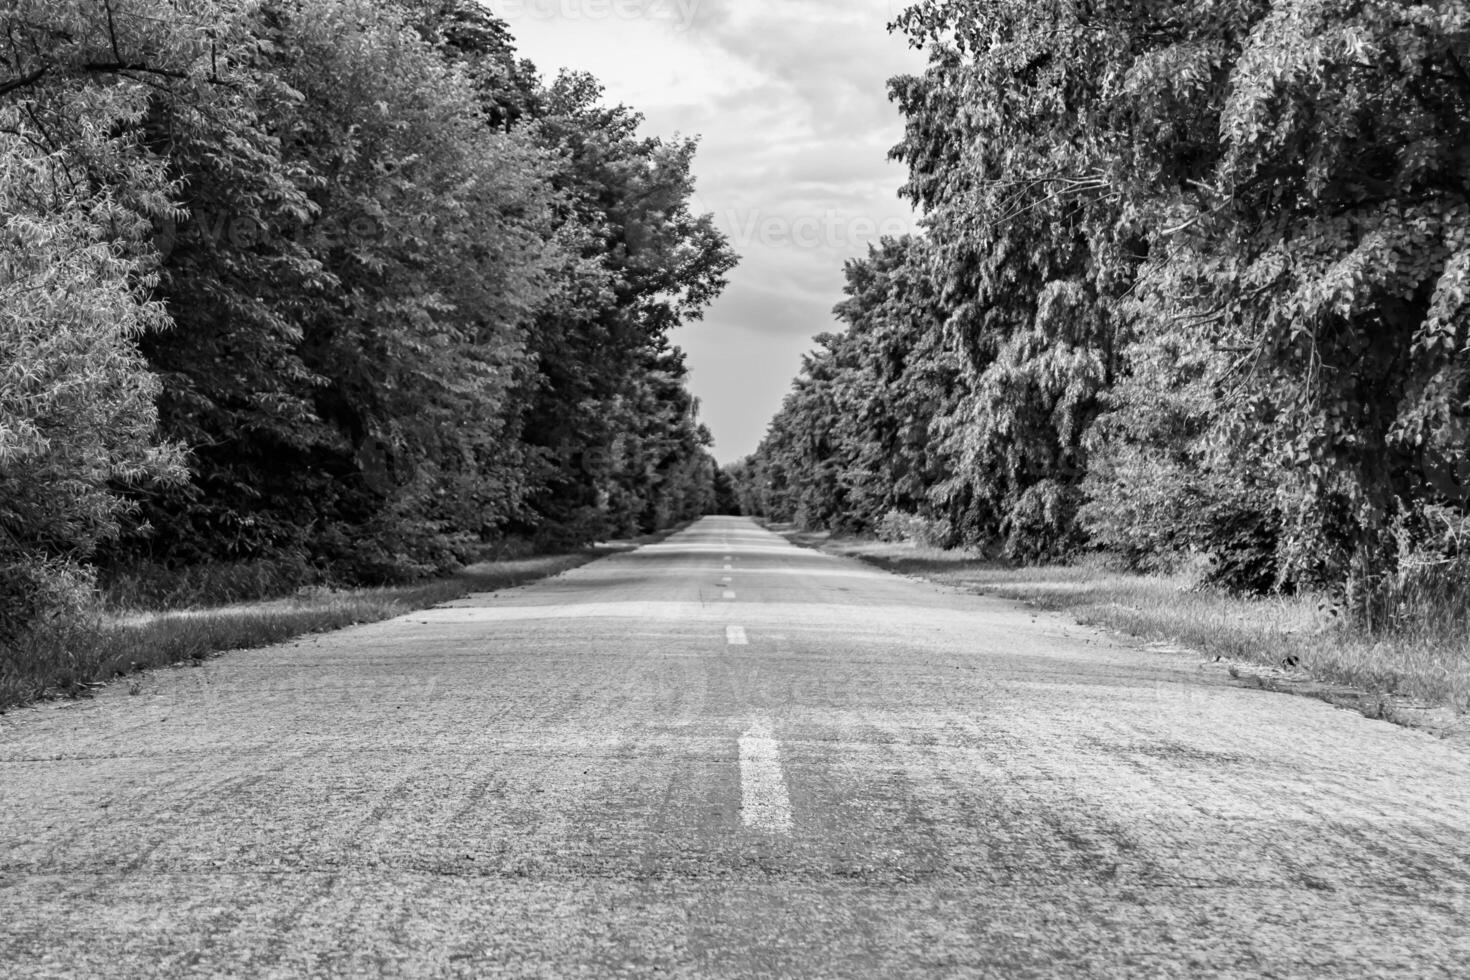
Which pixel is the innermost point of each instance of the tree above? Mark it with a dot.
(1032, 249)
(641, 264)
(906, 375)
(1204, 268)
(853, 441)
(76, 400)
(419, 299)
(477, 42)
(435, 236)
(1330, 248)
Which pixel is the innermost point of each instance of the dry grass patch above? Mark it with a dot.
(1425, 658)
(72, 657)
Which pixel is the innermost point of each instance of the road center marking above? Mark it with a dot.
(735, 636)
(764, 804)
(729, 594)
(729, 567)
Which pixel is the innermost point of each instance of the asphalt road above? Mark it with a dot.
(724, 756)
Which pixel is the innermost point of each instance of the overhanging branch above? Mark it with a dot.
(32, 78)
(121, 66)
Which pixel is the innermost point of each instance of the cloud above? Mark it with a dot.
(833, 56)
(789, 98)
(761, 310)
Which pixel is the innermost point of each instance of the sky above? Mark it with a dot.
(789, 99)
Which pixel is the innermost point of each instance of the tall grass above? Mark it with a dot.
(72, 655)
(147, 585)
(1415, 644)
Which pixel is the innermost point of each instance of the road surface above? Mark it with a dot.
(724, 756)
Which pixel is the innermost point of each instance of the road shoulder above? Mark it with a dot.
(1233, 665)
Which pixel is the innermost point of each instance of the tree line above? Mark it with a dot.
(335, 288)
(1193, 279)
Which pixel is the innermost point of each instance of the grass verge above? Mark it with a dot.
(1418, 677)
(73, 658)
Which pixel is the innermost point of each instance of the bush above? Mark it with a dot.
(55, 653)
(1140, 509)
(925, 531)
(1041, 524)
(1427, 596)
(1243, 545)
(77, 413)
(156, 586)
(35, 592)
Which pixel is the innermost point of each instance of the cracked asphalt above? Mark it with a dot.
(724, 756)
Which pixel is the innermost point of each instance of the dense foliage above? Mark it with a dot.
(335, 286)
(76, 401)
(1193, 280)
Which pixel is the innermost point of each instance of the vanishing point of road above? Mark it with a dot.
(724, 756)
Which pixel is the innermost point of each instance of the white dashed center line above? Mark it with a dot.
(729, 594)
(764, 804)
(735, 636)
(729, 567)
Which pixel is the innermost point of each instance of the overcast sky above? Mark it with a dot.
(790, 100)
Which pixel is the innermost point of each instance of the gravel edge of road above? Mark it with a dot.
(1440, 721)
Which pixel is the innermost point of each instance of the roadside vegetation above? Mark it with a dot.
(72, 655)
(1424, 659)
(320, 293)
(1192, 298)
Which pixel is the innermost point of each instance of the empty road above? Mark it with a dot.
(724, 756)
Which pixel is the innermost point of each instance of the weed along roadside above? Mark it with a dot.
(1289, 645)
(73, 659)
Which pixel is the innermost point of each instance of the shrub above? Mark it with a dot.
(1427, 596)
(926, 531)
(77, 412)
(156, 586)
